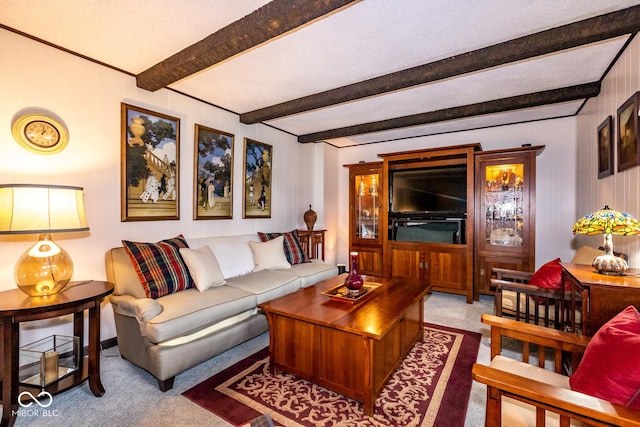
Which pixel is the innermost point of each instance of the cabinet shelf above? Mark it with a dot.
(365, 209)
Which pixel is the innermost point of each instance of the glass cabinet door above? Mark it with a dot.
(503, 209)
(368, 199)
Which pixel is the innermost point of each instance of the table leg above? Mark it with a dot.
(95, 384)
(272, 343)
(10, 345)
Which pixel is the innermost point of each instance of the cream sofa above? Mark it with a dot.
(170, 334)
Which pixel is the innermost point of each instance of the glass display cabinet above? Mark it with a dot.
(505, 212)
(365, 209)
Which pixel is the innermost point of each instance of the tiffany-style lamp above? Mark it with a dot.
(608, 222)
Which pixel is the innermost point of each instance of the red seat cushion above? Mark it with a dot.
(610, 366)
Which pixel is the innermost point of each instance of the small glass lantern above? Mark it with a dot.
(48, 360)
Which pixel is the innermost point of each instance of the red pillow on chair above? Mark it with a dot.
(610, 366)
(549, 276)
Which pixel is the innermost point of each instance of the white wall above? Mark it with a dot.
(620, 190)
(555, 179)
(87, 97)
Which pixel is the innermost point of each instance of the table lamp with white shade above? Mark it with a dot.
(45, 268)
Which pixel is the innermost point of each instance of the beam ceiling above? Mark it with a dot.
(591, 30)
(270, 21)
(496, 106)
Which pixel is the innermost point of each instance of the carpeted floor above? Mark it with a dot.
(427, 389)
(132, 396)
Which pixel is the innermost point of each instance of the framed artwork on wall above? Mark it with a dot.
(605, 148)
(628, 144)
(150, 150)
(213, 166)
(258, 163)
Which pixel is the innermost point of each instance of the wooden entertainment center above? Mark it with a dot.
(446, 267)
(452, 215)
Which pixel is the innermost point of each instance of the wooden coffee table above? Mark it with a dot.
(351, 348)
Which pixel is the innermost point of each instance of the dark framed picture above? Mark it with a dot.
(628, 145)
(150, 165)
(213, 166)
(605, 148)
(258, 161)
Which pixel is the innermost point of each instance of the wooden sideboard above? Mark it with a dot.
(603, 296)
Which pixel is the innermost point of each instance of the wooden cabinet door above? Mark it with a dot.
(369, 261)
(445, 267)
(411, 327)
(504, 213)
(406, 261)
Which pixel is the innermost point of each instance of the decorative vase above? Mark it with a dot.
(354, 281)
(310, 218)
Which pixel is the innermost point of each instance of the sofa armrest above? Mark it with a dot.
(143, 309)
(569, 404)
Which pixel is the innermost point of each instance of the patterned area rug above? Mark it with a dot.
(430, 388)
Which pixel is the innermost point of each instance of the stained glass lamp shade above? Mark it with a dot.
(45, 268)
(608, 222)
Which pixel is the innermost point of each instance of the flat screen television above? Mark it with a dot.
(436, 192)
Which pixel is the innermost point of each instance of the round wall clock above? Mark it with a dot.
(40, 133)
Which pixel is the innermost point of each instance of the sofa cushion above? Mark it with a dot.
(232, 252)
(313, 272)
(203, 267)
(266, 284)
(291, 245)
(159, 266)
(190, 310)
(610, 366)
(269, 255)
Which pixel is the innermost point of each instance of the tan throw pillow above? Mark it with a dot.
(203, 267)
(586, 255)
(269, 255)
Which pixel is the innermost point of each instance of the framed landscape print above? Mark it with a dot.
(150, 162)
(258, 163)
(605, 148)
(628, 145)
(213, 185)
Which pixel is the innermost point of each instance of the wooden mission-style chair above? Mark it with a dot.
(605, 367)
(545, 304)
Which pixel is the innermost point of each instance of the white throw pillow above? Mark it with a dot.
(203, 267)
(269, 255)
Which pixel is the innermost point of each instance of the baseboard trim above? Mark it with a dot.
(111, 342)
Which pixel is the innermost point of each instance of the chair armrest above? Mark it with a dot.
(528, 289)
(536, 334)
(512, 275)
(567, 403)
(527, 333)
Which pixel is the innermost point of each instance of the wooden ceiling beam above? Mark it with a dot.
(271, 20)
(536, 99)
(590, 30)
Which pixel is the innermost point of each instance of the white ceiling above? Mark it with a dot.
(366, 39)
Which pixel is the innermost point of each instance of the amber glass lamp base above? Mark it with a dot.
(45, 269)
